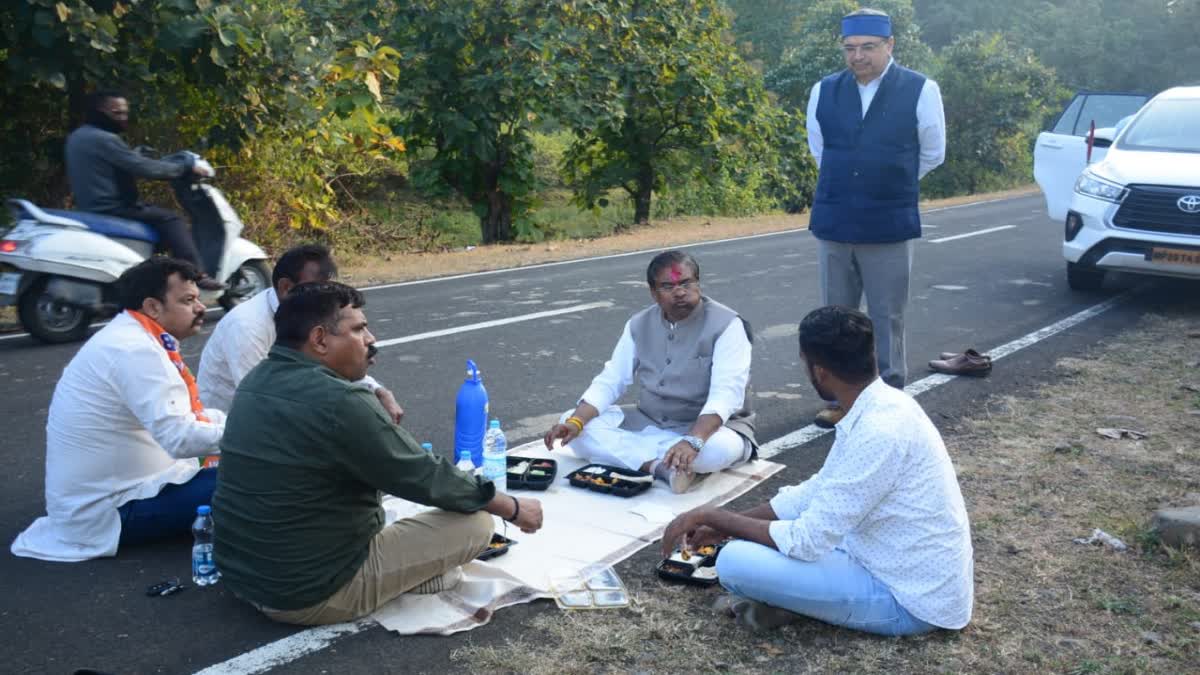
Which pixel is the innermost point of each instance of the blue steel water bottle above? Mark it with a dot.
(470, 417)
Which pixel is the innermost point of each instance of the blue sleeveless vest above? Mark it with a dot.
(867, 188)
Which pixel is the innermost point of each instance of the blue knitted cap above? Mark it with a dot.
(867, 24)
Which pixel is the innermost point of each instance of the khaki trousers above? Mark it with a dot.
(403, 555)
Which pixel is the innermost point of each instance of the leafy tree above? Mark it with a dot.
(816, 52)
(198, 72)
(477, 75)
(677, 104)
(765, 29)
(995, 96)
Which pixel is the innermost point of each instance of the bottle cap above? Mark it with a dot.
(427, 447)
(495, 424)
(203, 510)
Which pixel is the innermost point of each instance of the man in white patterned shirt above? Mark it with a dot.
(878, 540)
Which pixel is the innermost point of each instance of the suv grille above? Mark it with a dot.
(1155, 209)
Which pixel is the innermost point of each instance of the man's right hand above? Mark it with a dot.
(560, 432)
(530, 517)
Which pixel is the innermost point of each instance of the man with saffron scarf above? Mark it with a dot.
(875, 129)
(690, 356)
(126, 426)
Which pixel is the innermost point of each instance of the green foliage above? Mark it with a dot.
(477, 75)
(200, 74)
(764, 29)
(674, 105)
(995, 96)
(816, 52)
(1124, 45)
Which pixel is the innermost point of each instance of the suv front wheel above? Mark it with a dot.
(1084, 277)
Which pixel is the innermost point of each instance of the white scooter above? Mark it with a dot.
(59, 267)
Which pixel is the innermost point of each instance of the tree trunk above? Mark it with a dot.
(641, 200)
(496, 224)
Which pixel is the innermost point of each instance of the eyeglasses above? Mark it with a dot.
(867, 48)
(686, 284)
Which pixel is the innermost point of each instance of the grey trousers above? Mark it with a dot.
(881, 272)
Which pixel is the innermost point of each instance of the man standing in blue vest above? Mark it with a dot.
(875, 129)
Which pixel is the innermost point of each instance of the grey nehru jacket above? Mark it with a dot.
(102, 169)
(673, 366)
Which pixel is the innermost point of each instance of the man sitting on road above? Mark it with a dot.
(690, 356)
(245, 335)
(300, 530)
(878, 539)
(126, 425)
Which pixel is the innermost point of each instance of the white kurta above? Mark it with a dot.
(240, 342)
(120, 427)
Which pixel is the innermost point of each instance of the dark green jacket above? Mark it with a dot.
(303, 460)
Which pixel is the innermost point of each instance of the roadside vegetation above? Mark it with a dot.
(429, 125)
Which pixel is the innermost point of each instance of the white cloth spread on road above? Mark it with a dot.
(583, 531)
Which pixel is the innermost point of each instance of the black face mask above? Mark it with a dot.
(99, 118)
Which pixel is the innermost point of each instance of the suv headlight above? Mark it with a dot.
(1092, 186)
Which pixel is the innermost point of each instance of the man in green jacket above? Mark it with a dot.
(299, 528)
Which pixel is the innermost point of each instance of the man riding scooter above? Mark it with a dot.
(102, 170)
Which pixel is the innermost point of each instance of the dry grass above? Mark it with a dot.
(1035, 475)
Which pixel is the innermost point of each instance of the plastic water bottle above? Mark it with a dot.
(464, 463)
(204, 570)
(495, 457)
(470, 417)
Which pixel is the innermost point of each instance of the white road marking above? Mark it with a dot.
(976, 233)
(812, 431)
(493, 323)
(603, 257)
(286, 650)
(651, 250)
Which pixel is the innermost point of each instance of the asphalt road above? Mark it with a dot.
(982, 290)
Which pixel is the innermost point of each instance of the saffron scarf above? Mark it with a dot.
(171, 345)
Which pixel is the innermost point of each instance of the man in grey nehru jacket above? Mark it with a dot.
(690, 356)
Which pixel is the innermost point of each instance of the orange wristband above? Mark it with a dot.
(578, 423)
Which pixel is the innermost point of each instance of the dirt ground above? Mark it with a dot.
(1035, 475)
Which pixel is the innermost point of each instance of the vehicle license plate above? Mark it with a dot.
(1174, 256)
(9, 281)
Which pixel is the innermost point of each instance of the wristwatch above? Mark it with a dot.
(694, 441)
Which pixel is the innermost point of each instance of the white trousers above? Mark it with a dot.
(615, 438)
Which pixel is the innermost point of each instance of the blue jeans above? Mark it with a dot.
(835, 589)
(169, 513)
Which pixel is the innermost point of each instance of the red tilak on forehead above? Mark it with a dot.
(676, 275)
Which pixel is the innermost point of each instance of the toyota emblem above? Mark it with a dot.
(1189, 203)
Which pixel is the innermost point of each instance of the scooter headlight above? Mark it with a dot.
(1093, 186)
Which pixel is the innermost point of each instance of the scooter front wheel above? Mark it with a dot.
(50, 320)
(253, 277)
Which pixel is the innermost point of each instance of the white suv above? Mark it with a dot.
(1137, 209)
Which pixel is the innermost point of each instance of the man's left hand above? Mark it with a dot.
(681, 528)
(681, 456)
(389, 404)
